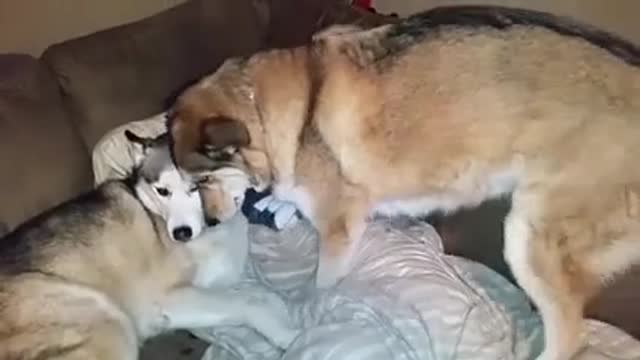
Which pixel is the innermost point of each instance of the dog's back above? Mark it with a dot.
(443, 110)
(65, 278)
(477, 102)
(480, 83)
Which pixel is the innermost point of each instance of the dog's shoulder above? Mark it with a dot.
(63, 226)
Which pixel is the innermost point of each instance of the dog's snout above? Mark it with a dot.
(182, 233)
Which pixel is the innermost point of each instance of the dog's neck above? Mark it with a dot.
(283, 108)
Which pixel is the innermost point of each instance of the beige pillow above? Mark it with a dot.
(112, 157)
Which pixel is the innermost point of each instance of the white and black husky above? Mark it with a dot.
(167, 192)
(97, 275)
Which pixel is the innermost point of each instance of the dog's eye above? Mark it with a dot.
(204, 180)
(164, 192)
(194, 188)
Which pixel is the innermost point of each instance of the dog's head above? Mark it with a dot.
(164, 190)
(214, 130)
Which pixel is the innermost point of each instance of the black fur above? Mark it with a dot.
(23, 249)
(418, 26)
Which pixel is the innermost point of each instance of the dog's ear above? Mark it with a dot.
(224, 134)
(140, 146)
(136, 139)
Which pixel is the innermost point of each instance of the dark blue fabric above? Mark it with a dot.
(255, 216)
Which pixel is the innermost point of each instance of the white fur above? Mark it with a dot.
(614, 259)
(469, 191)
(517, 236)
(220, 255)
(516, 252)
(216, 257)
(181, 208)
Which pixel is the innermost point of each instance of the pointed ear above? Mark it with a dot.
(140, 145)
(223, 133)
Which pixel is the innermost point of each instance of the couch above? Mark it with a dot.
(54, 109)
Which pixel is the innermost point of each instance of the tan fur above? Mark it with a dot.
(79, 303)
(95, 282)
(444, 119)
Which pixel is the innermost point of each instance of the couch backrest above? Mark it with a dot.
(292, 22)
(43, 161)
(130, 72)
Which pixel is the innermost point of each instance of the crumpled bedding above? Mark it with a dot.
(403, 299)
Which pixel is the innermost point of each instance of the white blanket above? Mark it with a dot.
(404, 299)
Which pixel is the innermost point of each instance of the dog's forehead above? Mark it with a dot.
(154, 163)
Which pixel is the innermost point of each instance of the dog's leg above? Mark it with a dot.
(536, 253)
(336, 249)
(190, 307)
(106, 341)
(340, 236)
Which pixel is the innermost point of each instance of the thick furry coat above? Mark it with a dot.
(442, 110)
(96, 276)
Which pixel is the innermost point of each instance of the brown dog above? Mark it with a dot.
(443, 110)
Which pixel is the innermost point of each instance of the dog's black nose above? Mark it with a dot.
(182, 233)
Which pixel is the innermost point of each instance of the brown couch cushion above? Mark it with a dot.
(131, 72)
(43, 160)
